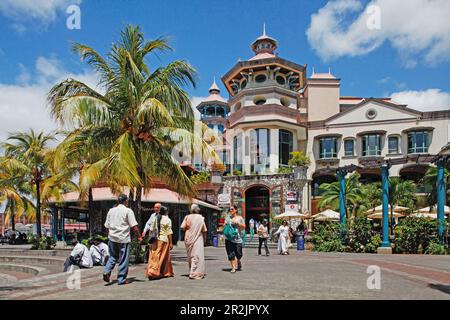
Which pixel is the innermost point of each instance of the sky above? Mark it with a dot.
(378, 48)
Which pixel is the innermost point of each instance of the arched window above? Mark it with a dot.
(349, 147)
(286, 141)
(260, 149)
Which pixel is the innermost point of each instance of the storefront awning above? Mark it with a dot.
(154, 195)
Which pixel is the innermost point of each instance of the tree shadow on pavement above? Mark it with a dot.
(440, 287)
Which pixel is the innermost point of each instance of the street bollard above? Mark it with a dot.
(300, 242)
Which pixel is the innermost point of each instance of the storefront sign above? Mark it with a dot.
(223, 200)
(291, 196)
(293, 207)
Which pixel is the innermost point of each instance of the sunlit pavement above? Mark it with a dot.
(301, 275)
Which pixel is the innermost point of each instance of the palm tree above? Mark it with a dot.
(401, 193)
(30, 150)
(143, 115)
(331, 194)
(12, 192)
(430, 179)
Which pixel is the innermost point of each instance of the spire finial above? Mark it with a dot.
(314, 71)
(329, 70)
(214, 88)
(264, 29)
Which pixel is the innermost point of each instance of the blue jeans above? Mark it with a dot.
(118, 253)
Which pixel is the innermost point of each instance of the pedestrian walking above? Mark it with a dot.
(159, 262)
(233, 243)
(119, 222)
(194, 238)
(283, 240)
(251, 224)
(263, 236)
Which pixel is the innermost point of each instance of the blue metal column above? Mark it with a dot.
(63, 232)
(385, 198)
(440, 198)
(342, 208)
(55, 223)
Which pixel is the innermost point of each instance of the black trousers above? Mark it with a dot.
(261, 241)
(234, 250)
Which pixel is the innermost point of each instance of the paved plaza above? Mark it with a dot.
(301, 275)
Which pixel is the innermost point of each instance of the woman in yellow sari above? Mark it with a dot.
(159, 262)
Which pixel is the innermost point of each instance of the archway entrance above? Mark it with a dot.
(257, 204)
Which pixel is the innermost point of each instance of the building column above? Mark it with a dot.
(274, 150)
(440, 199)
(246, 159)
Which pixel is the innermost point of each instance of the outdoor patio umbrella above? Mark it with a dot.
(379, 215)
(291, 215)
(433, 209)
(424, 215)
(327, 215)
(379, 209)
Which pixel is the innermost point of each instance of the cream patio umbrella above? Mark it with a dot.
(425, 215)
(379, 215)
(291, 215)
(327, 215)
(433, 209)
(379, 209)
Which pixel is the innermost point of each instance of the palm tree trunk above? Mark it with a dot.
(91, 210)
(138, 206)
(38, 207)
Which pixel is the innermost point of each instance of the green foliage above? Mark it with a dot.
(299, 158)
(437, 248)
(200, 177)
(237, 172)
(284, 170)
(137, 250)
(86, 242)
(326, 237)
(360, 237)
(41, 243)
(414, 235)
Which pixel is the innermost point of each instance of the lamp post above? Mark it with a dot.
(440, 163)
(341, 173)
(385, 247)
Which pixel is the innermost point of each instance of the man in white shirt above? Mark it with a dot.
(80, 256)
(119, 221)
(99, 252)
(156, 209)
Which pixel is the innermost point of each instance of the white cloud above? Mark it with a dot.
(426, 100)
(44, 11)
(417, 29)
(195, 101)
(23, 105)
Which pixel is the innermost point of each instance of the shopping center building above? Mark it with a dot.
(274, 108)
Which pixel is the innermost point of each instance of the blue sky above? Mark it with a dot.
(404, 58)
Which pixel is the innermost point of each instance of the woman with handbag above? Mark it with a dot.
(233, 238)
(159, 262)
(194, 238)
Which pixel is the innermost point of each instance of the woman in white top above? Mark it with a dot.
(283, 241)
